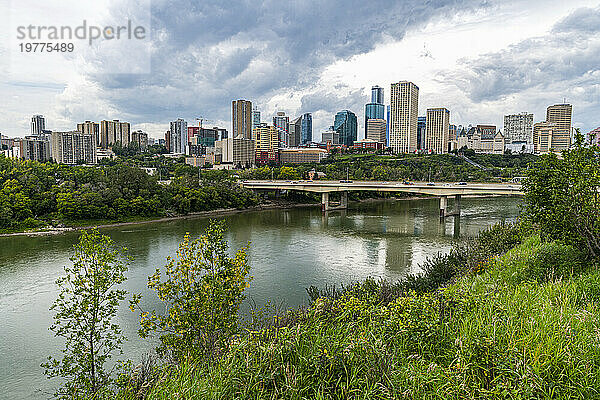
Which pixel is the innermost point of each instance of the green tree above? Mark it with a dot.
(562, 196)
(86, 305)
(288, 173)
(202, 292)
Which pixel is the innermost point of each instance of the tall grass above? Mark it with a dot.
(519, 325)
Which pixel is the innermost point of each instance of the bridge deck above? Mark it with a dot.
(437, 189)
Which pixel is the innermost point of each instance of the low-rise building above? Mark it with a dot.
(593, 137)
(301, 155)
(543, 137)
(368, 144)
(484, 141)
(330, 136)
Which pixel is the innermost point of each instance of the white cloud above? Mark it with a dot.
(314, 56)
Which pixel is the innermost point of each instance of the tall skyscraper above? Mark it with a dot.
(346, 125)
(437, 130)
(377, 95)
(403, 117)
(376, 130)
(241, 118)
(255, 118)
(518, 128)
(281, 122)
(560, 115)
(295, 132)
(38, 125)
(421, 127)
(179, 136)
(375, 109)
(306, 128)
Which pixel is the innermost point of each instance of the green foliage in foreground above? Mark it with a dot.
(562, 197)
(520, 325)
(201, 292)
(84, 311)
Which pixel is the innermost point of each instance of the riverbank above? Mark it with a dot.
(203, 214)
(515, 325)
(212, 213)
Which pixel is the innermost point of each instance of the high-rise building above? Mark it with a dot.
(73, 148)
(112, 132)
(404, 113)
(91, 128)
(295, 132)
(281, 122)
(375, 109)
(346, 125)
(179, 136)
(376, 130)
(241, 118)
(34, 148)
(140, 138)
(167, 141)
(376, 95)
(560, 115)
(421, 127)
(518, 128)
(437, 130)
(38, 125)
(267, 143)
(255, 119)
(306, 129)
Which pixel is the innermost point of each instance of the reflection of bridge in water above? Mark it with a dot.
(441, 190)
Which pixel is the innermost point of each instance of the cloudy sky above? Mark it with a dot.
(479, 58)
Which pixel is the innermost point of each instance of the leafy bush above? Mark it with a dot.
(201, 293)
(562, 197)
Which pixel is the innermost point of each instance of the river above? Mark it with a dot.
(289, 250)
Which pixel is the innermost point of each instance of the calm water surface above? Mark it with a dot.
(289, 251)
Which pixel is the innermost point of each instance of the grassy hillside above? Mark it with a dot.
(524, 324)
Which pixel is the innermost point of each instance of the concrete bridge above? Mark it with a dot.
(441, 190)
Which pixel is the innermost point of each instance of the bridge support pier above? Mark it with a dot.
(324, 202)
(443, 206)
(344, 200)
(326, 205)
(457, 204)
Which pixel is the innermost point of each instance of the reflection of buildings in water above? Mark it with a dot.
(398, 253)
(373, 250)
(403, 223)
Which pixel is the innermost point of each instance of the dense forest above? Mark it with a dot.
(36, 194)
(437, 168)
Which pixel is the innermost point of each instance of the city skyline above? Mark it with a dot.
(488, 76)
